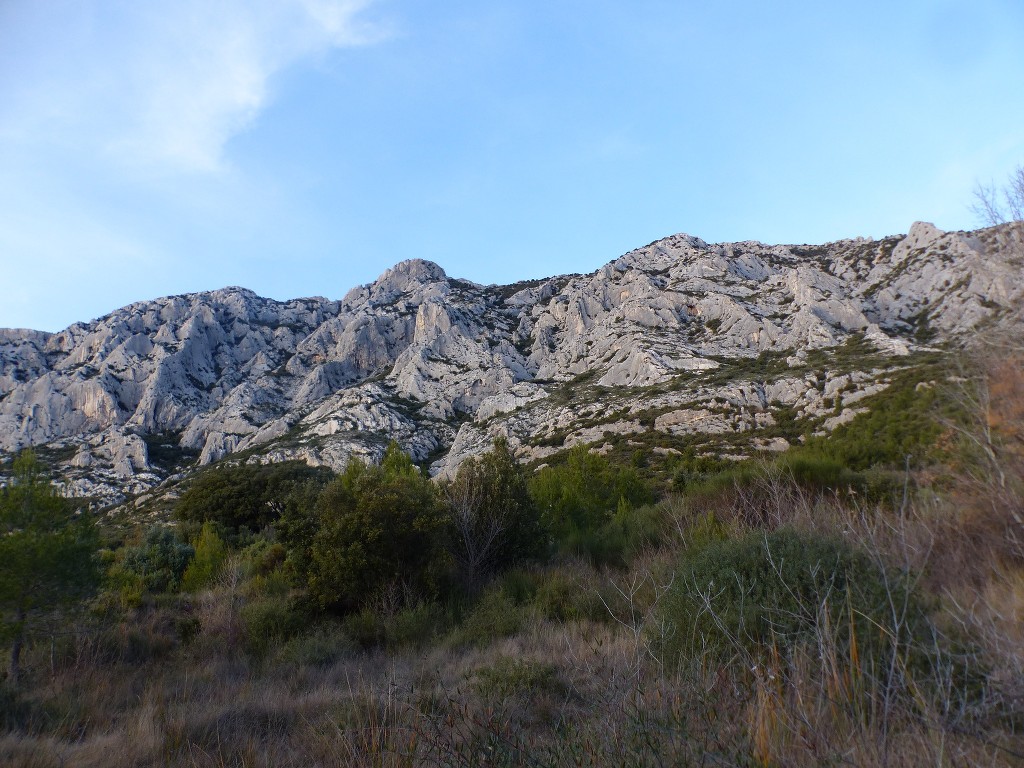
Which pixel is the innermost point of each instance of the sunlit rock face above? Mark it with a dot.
(444, 366)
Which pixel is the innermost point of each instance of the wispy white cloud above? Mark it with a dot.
(157, 84)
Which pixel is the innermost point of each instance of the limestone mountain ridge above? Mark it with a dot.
(651, 349)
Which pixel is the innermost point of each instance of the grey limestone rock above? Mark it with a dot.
(658, 340)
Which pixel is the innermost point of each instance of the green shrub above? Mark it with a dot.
(263, 557)
(244, 496)
(899, 423)
(324, 644)
(510, 676)
(560, 597)
(520, 585)
(584, 493)
(365, 627)
(266, 621)
(207, 562)
(376, 528)
(707, 528)
(493, 522)
(605, 546)
(775, 589)
(414, 626)
(494, 616)
(158, 561)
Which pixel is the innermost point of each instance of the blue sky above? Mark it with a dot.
(300, 147)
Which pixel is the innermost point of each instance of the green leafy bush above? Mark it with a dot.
(510, 676)
(376, 528)
(159, 560)
(268, 620)
(493, 522)
(583, 494)
(561, 597)
(245, 496)
(776, 589)
(207, 562)
(324, 644)
(899, 424)
(494, 616)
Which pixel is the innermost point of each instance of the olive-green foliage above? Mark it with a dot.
(297, 526)
(159, 560)
(899, 424)
(47, 551)
(268, 615)
(263, 557)
(690, 467)
(376, 527)
(268, 620)
(561, 597)
(626, 534)
(493, 616)
(776, 589)
(799, 469)
(509, 676)
(411, 626)
(245, 496)
(208, 560)
(561, 593)
(494, 522)
(584, 493)
(321, 645)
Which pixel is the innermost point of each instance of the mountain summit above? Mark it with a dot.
(673, 339)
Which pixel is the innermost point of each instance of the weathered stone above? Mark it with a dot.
(445, 366)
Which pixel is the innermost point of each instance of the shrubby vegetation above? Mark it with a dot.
(778, 589)
(837, 604)
(377, 528)
(47, 554)
(155, 564)
(240, 498)
(494, 523)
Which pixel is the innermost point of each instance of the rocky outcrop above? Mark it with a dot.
(650, 343)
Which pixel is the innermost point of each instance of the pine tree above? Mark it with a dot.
(47, 553)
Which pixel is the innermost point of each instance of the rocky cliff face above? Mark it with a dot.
(674, 339)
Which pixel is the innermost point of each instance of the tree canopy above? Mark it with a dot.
(244, 495)
(47, 551)
(494, 521)
(376, 527)
(585, 491)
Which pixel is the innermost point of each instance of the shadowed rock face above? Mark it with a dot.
(444, 365)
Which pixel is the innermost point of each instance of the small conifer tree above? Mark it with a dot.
(208, 561)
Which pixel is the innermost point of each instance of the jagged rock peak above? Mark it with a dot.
(660, 253)
(443, 365)
(408, 274)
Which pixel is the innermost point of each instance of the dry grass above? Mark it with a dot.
(556, 693)
(581, 681)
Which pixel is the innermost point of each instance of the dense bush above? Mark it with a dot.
(785, 587)
(322, 644)
(584, 493)
(245, 496)
(268, 620)
(376, 528)
(900, 425)
(207, 562)
(493, 522)
(494, 615)
(159, 560)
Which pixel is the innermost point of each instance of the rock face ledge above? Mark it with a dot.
(444, 365)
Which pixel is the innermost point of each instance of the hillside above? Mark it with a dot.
(674, 345)
(710, 505)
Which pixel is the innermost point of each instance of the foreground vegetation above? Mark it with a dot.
(857, 601)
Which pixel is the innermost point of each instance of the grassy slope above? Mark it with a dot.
(565, 663)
